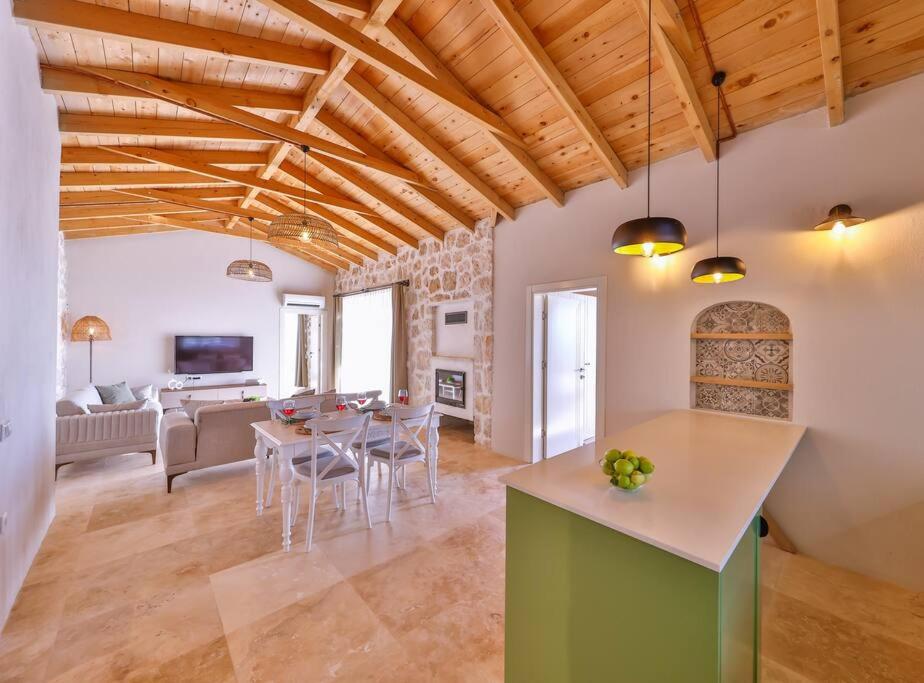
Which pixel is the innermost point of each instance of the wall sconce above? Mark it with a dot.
(839, 219)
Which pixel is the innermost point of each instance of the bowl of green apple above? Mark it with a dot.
(627, 470)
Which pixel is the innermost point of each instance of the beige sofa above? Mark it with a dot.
(81, 435)
(220, 434)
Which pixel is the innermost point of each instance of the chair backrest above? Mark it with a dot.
(341, 435)
(301, 403)
(410, 425)
(329, 402)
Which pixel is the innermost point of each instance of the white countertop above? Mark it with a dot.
(712, 474)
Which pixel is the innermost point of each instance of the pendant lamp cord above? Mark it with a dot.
(305, 150)
(250, 218)
(718, 124)
(648, 165)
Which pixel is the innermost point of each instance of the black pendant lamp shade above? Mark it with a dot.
(652, 235)
(718, 269)
(839, 218)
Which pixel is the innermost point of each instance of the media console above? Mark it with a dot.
(170, 398)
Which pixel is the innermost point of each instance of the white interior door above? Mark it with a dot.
(563, 387)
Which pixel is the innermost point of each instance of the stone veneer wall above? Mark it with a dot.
(460, 268)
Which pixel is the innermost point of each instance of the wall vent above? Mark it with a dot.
(456, 318)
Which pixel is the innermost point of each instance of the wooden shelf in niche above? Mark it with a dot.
(749, 383)
(785, 336)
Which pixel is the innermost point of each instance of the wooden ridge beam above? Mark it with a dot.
(402, 33)
(829, 31)
(182, 96)
(678, 71)
(116, 197)
(351, 40)
(62, 81)
(219, 157)
(97, 20)
(521, 35)
(237, 177)
(86, 124)
(132, 179)
(375, 99)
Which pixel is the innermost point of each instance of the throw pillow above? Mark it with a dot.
(145, 393)
(113, 407)
(190, 406)
(66, 408)
(115, 393)
(303, 392)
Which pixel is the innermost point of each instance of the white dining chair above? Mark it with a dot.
(300, 403)
(333, 461)
(409, 443)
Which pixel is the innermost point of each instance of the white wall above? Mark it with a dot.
(152, 287)
(29, 154)
(852, 495)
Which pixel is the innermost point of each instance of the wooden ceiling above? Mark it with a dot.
(421, 115)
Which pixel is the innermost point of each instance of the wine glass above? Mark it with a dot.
(361, 399)
(288, 408)
(402, 396)
(341, 404)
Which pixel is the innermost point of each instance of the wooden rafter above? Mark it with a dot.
(219, 157)
(667, 23)
(116, 197)
(402, 33)
(163, 128)
(518, 31)
(373, 98)
(829, 30)
(351, 40)
(351, 8)
(80, 17)
(126, 222)
(66, 213)
(132, 179)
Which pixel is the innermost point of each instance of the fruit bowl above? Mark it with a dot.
(626, 470)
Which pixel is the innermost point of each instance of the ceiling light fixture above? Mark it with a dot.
(840, 218)
(248, 269)
(300, 229)
(652, 235)
(718, 269)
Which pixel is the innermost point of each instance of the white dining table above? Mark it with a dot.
(283, 441)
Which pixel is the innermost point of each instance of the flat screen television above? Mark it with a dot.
(208, 355)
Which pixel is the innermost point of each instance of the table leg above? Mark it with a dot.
(286, 476)
(259, 454)
(434, 455)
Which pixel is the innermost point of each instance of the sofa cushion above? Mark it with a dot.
(115, 393)
(112, 407)
(143, 393)
(66, 407)
(83, 397)
(191, 406)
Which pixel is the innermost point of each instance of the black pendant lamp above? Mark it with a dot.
(718, 269)
(652, 235)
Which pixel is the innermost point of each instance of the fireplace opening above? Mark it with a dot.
(450, 388)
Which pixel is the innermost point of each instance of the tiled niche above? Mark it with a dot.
(741, 357)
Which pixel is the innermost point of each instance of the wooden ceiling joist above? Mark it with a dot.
(375, 99)
(402, 33)
(179, 200)
(829, 31)
(86, 124)
(521, 35)
(324, 265)
(117, 232)
(668, 22)
(219, 157)
(351, 40)
(66, 213)
(117, 197)
(107, 22)
(132, 179)
(127, 221)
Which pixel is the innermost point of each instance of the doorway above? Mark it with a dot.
(566, 380)
(300, 351)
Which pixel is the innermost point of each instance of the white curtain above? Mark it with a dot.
(365, 342)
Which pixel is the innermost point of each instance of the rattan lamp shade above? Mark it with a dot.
(89, 328)
(252, 271)
(294, 229)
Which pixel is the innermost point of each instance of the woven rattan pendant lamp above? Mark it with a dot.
(718, 269)
(652, 235)
(248, 269)
(299, 229)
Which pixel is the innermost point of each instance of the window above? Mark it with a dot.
(365, 342)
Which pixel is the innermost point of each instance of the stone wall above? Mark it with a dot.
(460, 268)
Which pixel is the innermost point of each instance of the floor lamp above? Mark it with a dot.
(90, 328)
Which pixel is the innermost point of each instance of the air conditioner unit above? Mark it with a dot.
(304, 302)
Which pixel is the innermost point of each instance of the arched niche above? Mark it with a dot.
(741, 358)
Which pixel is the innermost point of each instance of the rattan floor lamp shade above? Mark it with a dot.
(91, 328)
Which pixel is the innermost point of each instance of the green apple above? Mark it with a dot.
(632, 486)
(624, 466)
(608, 468)
(645, 465)
(614, 480)
(623, 481)
(638, 478)
(612, 455)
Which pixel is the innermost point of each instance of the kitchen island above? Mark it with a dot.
(658, 584)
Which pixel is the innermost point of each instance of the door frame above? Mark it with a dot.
(323, 361)
(532, 432)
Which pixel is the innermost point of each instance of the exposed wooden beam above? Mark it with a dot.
(136, 179)
(220, 157)
(182, 96)
(66, 213)
(127, 221)
(351, 8)
(171, 128)
(667, 23)
(61, 81)
(351, 40)
(521, 35)
(80, 17)
(116, 197)
(402, 33)
(238, 177)
(829, 30)
(308, 258)
(117, 232)
(375, 99)
(177, 222)
(165, 196)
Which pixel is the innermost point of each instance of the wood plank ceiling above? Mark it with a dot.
(421, 115)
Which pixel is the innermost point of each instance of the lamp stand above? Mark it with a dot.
(91, 360)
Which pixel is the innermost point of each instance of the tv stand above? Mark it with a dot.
(171, 398)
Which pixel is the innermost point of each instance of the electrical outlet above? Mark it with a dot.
(6, 430)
